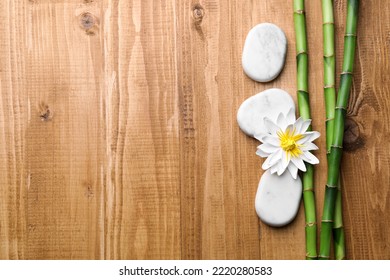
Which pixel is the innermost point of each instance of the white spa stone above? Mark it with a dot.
(278, 198)
(269, 103)
(264, 52)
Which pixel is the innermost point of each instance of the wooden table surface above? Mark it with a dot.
(118, 133)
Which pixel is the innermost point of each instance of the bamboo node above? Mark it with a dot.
(330, 186)
(309, 190)
(301, 90)
(301, 52)
(328, 22)
(327, 221)
(323, 257)
(329, 86)
(336, 146)
(341, 107)
(311, 257)
(299, 12)
(338, 227)
(328, 55)
(346, 73)
(350, 35)
(311, 224)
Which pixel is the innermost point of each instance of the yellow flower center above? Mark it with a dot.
(288, 142)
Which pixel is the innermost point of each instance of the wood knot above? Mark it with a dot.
(352, 138)
(88, 190)
(89, 23)
(87, 20)
(198, 13)
(45, 113)
(31, 227)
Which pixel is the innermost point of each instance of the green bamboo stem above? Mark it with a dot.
(338, 228)
(329, 69)
(304, 111)
(338, 133)
(330, 101)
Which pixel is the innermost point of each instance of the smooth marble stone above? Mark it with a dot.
(278, 198)
(264, 52)
(269, 103)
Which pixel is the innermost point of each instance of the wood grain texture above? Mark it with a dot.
(118, 134)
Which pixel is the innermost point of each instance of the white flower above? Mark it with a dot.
(287, 144)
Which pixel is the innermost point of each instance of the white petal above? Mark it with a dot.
(274, 168)
(272, 160)
(304, 127)
(299, 163)
(290, 118)
(280, 169)
(267, 163)
(272, 140)
(260, 136)
(285, 161)
(298, 124)
(310, 158)
(271, 126)
(293, 170)
(290, 128)
(309, 137)
(268, 148)
(281, 122)
(314, 135)
(277, 156)
(309, 147)
(262, 154)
